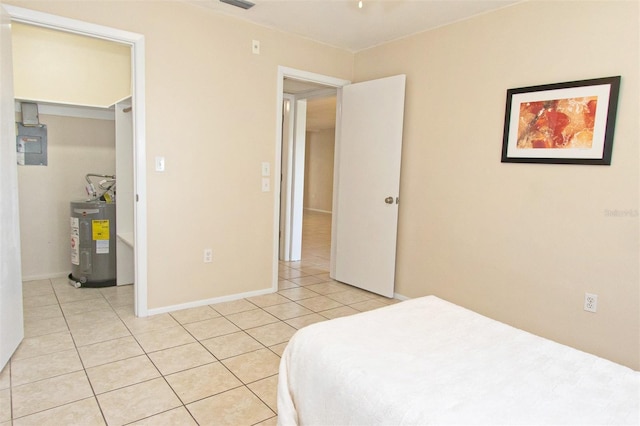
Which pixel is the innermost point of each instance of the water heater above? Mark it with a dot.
(93, 244)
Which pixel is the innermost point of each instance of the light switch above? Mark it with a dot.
(266, 169)
(159, 164)
(266, 184)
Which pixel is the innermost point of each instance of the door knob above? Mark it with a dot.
(388, 200)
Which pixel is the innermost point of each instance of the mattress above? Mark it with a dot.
(427, 361)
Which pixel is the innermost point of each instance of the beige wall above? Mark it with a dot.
(211, 112)
(60, 67)
(76, 146)
(318, 170)
(520, 243)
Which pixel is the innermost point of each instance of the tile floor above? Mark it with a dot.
(87, 360)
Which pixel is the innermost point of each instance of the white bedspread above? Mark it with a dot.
(426, 361)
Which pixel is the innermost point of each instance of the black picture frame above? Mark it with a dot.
(561, 123)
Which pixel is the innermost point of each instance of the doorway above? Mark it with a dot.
(301, 95)
(136, 41)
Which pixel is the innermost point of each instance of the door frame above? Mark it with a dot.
(286, 72)
(292, 182)
(137, 43)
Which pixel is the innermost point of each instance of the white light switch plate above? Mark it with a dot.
(159, 164)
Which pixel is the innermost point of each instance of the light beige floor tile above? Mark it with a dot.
(306, 320)
(267, 300)
(41, 300)
(45, 344)
(286, 284)
(278, 349)
(250, 319)
(307, 280)
(202, 382)
(273, 421)
(66, 293)
(5, 374)
(290, 273)
(235, 407)
(36, 288)
(119, 295)
(341, 311)
(42, 312)
(109, 351)
(99, 332)
(116, 375)
(231, 345)
(200, 313)
(272, 334)
(349, 297)
(287, 310)
(368, 305)
(180, 358)
(81, 306)
(91, 319)
(49, 393)
(176, 417)
(28, 370)
(319, 303)
(34, 328)
(233, 307)
(267, 391)
(326, 288)
(315, 270)
(83, 412)
(297, 293)
(5, 405)
(139, 401)
(125, 312)
(214, 327)
(152, 323)
(253, 366)
(163, 339)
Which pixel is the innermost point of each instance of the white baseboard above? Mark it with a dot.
(212, 301)
(318, 210)
(45, 276)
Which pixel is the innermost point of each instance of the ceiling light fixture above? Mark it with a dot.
(243, 4)
(360, 4)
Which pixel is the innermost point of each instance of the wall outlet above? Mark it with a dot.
(207, 256)
(590, 302)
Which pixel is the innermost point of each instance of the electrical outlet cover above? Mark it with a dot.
(590, 302)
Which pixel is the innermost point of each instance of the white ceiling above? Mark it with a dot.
(342, 24)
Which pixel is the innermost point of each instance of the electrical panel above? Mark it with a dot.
(31, 145)
(31, 137)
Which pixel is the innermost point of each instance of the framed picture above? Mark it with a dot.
(563, 123)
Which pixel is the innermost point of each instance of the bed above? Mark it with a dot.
(427, 361)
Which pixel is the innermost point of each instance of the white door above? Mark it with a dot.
(367, 184)
(11, 320)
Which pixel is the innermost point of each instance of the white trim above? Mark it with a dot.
(137, 42)
(400, 296)
(211, 301)
(48, 276)
(64, 110)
